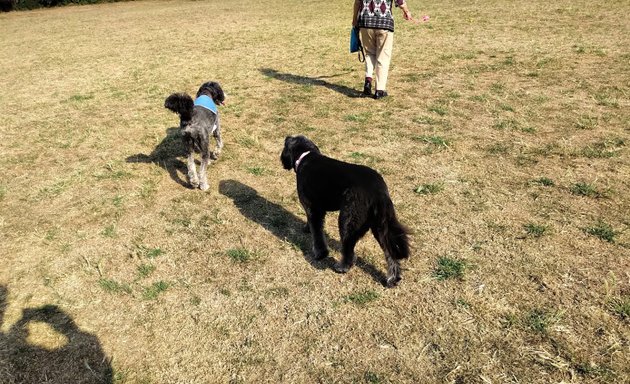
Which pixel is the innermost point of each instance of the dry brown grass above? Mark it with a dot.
(504, 144)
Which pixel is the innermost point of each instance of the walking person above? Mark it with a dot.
(375, 21)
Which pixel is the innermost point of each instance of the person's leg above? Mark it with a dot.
(384, 42)
(369, 47)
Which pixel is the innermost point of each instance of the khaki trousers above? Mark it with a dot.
(377, 44)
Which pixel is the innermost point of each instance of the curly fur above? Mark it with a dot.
(359, 194)
(197, 125)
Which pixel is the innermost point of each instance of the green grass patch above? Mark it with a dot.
(359, 117)
(240, 255)
(540, 320)
(113, 286)
(544, 181)
(109, 231)
(153, 291)
(142, 251)
(604, 149)
(587, 122)
(362, 298)
(620, 307)
(195, 300)
(506, 124)
(450, 268)
(536, 230)
(429, 188)
(258, 171)
(113, 172)
(602, 231)
(372, 378)
(585, 189)
(80, 98)
(498, 149)
(144, 270)
(439, 109)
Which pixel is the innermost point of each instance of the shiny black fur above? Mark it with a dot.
(197, 125)
(359, 194)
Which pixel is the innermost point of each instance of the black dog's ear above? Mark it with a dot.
(286, 157)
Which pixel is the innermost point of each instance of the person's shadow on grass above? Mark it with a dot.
(284, 225)
(166, 156)
(304, 80)
(80, 360)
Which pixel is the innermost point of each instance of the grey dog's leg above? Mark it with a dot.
(203, 173)
(192, 171)
(316, 224)
(217, 137)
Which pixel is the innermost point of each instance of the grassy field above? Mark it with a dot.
(505, 145)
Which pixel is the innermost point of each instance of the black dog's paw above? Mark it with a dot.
(214, 156)
(392, 281)
(341, 268)
(320, 253)
(306, 229)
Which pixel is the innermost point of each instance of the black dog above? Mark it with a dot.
(198, 120)
(359, 194)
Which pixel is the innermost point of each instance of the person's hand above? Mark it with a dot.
(407, 15)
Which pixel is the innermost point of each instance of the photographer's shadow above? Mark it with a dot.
(166, 156)
(80, 360)
(285, 225)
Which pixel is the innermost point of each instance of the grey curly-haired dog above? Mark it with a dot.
(360, 195)
(199, 120)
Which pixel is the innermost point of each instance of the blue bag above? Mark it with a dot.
(355, 43)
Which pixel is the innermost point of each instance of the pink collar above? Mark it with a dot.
(297, 163)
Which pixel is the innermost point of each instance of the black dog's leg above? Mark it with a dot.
(193, 179)
(203, 173)
(393, 271)
(393, 266)
(316, 225)
(351, 229)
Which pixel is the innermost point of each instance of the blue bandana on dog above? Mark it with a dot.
(207, 103)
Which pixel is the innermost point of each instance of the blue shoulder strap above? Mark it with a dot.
(207, 103)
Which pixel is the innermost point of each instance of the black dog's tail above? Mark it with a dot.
(180, 103)
(391, 234)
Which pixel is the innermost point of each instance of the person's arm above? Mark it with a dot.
(402, 4)
(355, 14)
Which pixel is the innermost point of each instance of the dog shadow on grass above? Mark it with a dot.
(285, 225)
(79, 358)
(166, 156)
(305, 80)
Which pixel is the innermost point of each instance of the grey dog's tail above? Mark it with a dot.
(180, 103)
(392, 235)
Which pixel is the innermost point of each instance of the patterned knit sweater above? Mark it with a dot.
(377, 14)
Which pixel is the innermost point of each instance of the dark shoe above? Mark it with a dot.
(367, 88)
(380, 94)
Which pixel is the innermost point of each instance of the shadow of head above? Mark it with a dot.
(166, 154)
(80, 360)
(284, 225)
(271, 216)
(318, 81)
